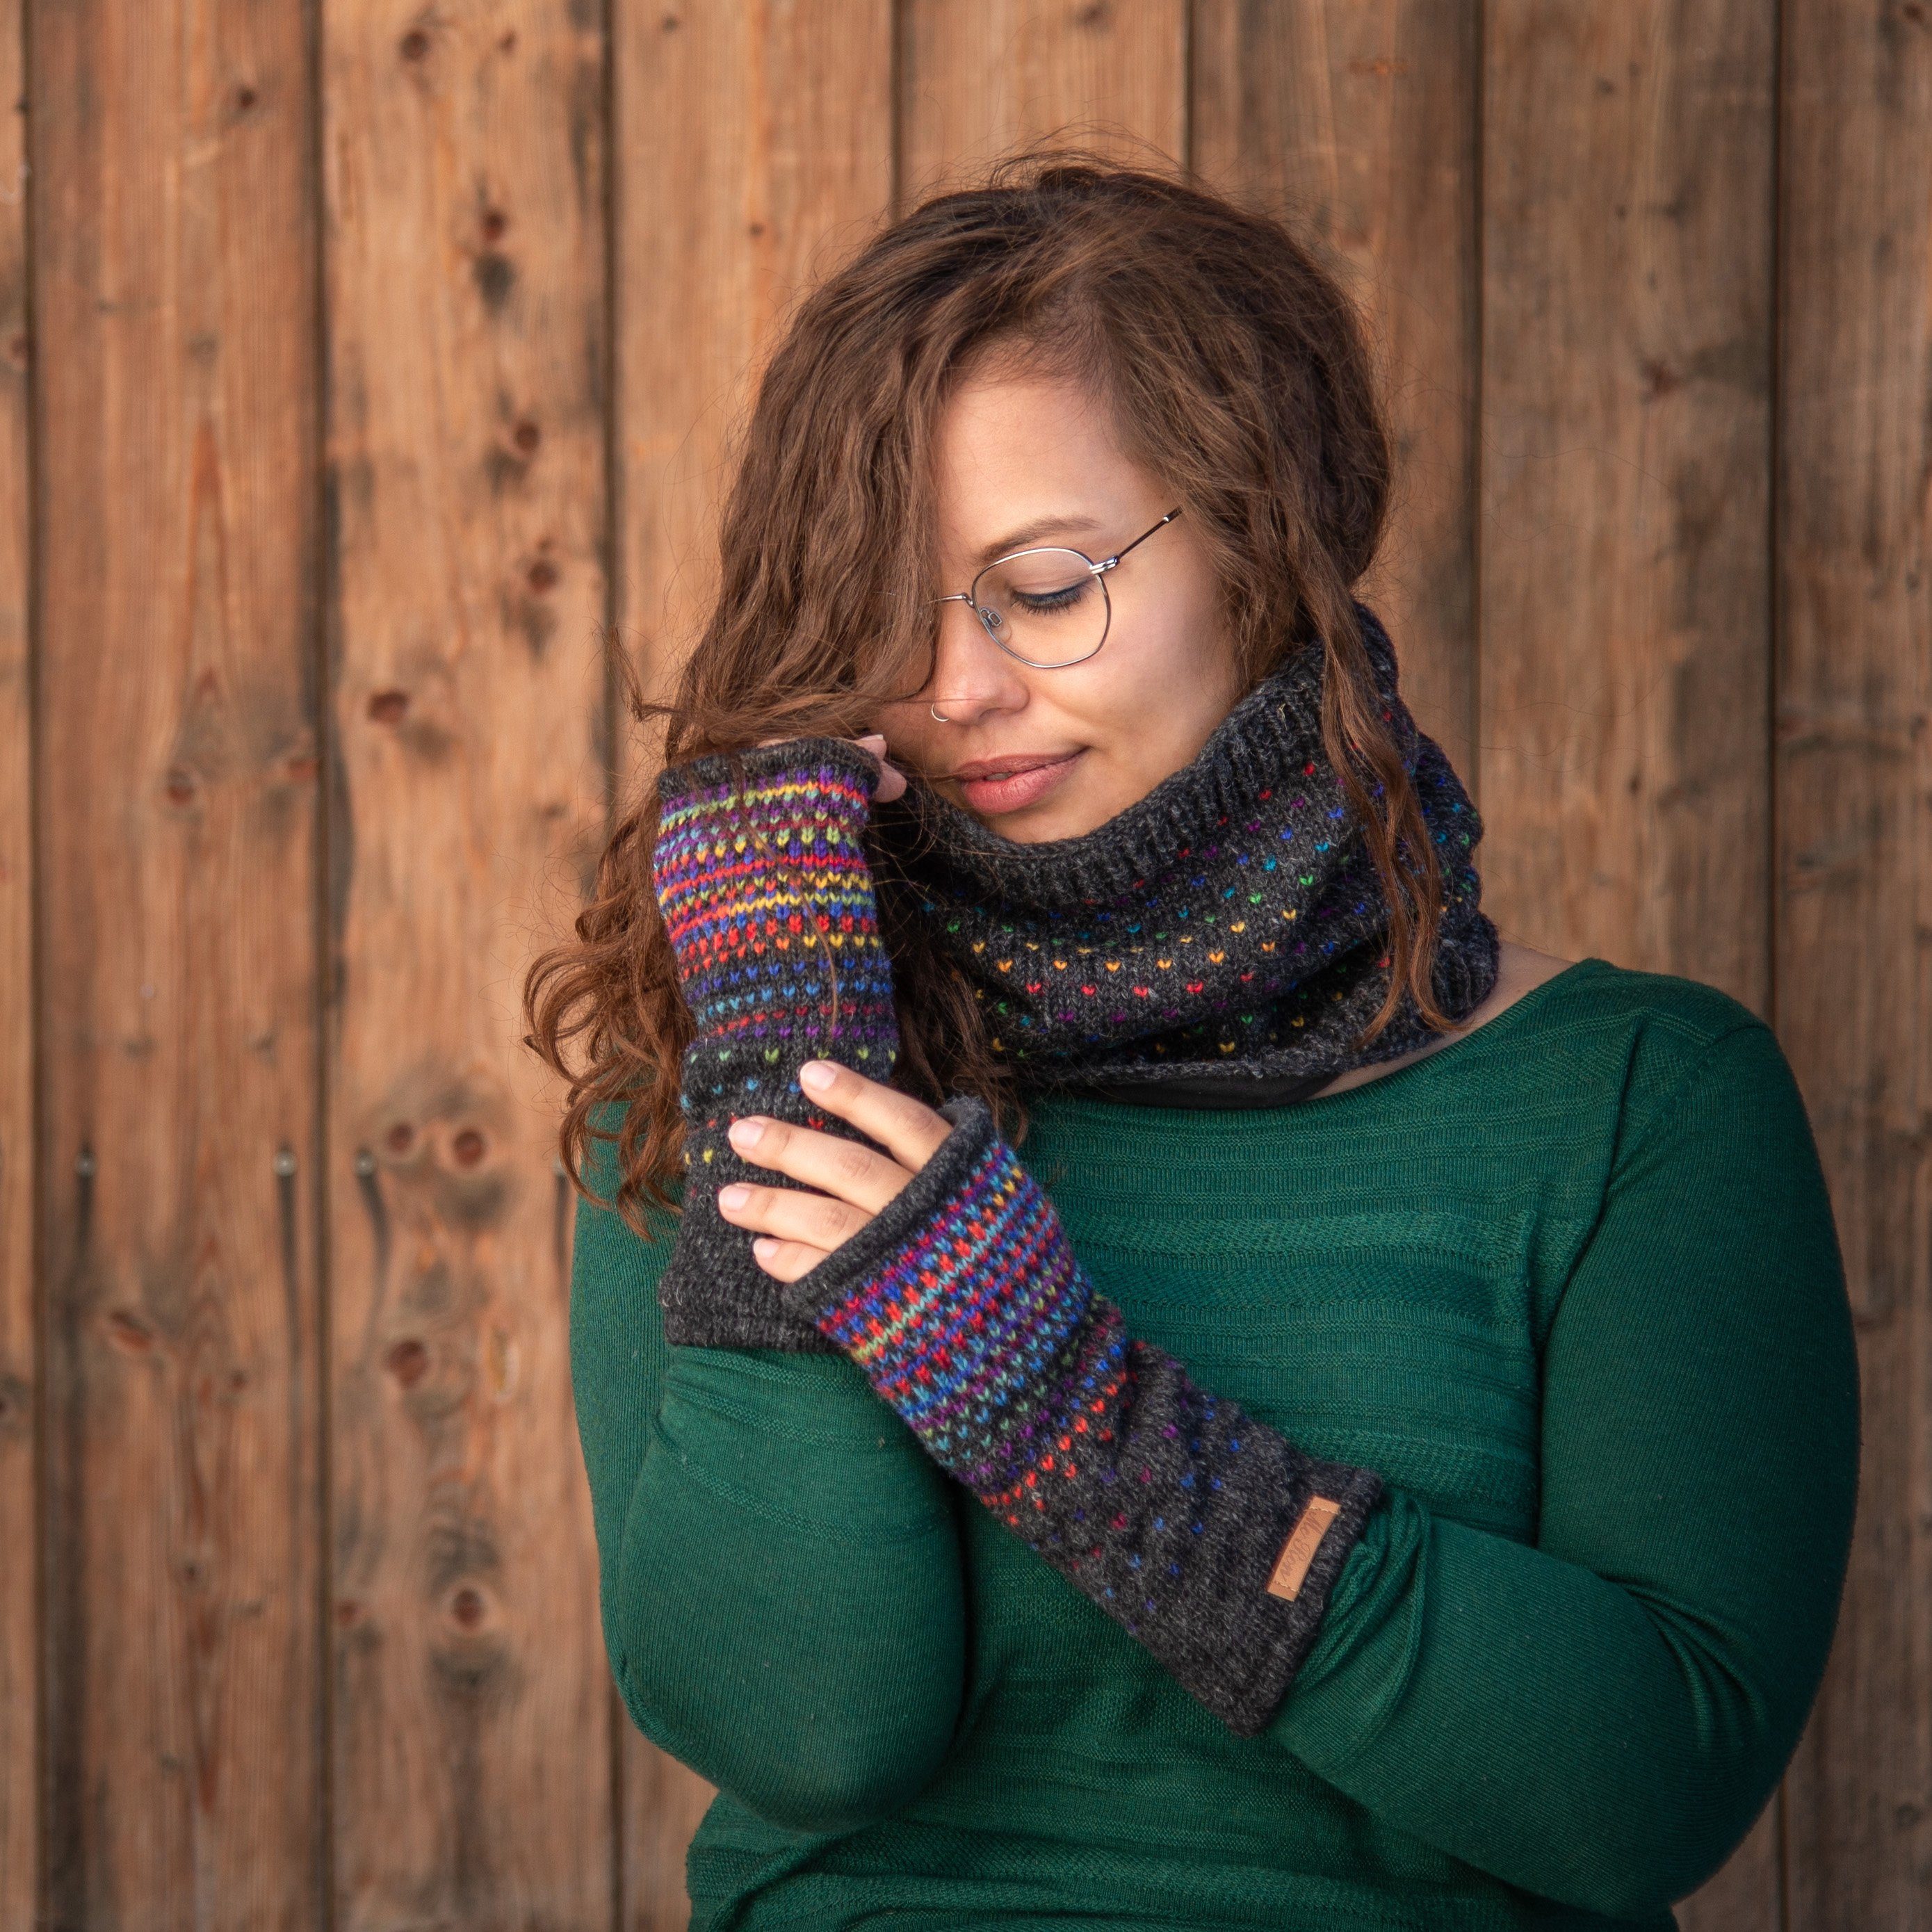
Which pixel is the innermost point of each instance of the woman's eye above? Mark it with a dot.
(1052, 600)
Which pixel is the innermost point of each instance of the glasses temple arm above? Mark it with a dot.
(1146, 533)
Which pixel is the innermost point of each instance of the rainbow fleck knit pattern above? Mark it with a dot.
(1229, 923)
(768, 900)
(966, 1307)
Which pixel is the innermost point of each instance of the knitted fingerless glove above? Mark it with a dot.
(1211, 1538)
(769, 903)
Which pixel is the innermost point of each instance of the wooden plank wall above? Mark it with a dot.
(19, 1150)
(463, 195)
(1851, 963)
(175, 593)
(361, 362)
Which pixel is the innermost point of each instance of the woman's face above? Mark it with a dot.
(1025, 460)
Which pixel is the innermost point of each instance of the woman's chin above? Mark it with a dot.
(1059, 818)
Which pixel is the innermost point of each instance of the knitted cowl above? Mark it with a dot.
(1230, 923)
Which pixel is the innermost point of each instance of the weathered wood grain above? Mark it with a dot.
(1624, 578)
(20, 1353)
(976, 80)
(663, 1803)
(464, 186)
(173, 208)
(1746, 1895)
(1359, 126)
(756, 150)
(1626, 436)
(1853, 981)
(754, 147)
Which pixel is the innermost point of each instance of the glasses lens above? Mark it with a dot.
(1045, 606)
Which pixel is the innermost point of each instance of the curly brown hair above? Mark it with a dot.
(1237, 371)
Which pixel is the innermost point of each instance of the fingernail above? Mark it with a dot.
(764, 1247)
(746, 1132)
(817, 1074)
(734, 1196)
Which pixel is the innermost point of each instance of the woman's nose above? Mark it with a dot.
(970, 674)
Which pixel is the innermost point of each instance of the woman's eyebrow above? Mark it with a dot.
(1030, 532)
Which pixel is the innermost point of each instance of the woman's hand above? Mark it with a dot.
(892, 781)
(800, 1228)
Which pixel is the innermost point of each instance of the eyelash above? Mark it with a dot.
(1046, 607)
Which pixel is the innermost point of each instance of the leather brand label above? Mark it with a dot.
(1298, 1552)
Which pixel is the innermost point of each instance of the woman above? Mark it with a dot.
(1135, 1363)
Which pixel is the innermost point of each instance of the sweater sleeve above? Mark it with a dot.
(779, 1566)
(1600, 1717)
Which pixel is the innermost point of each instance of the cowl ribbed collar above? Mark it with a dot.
(1262, 742)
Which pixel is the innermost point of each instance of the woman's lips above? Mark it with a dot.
(1020, 790)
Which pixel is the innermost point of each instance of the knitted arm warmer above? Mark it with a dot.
(769, 904)
(1211, 1537)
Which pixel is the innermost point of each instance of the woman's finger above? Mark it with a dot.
(908, 1129)
(786, 1260)
(845, 1169)
(791, 1214)
(892, 781)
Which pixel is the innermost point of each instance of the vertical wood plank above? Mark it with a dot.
(663, 1803)
(1854, 931)
(1746, 1895)
(19, 1354)
(464, 193)
(1358, 125)
(755, 145)
(174, 304)
(976, 80)
(1624, 573)
(1626, 431)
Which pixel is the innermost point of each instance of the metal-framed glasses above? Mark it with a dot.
(1047, 607)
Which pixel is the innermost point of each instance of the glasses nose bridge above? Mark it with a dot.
(986, 631)
(971, 599)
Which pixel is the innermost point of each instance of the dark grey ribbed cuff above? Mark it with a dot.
(691, 778)
(1240, 1653)
(712, 1292)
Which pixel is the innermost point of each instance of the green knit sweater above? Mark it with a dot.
(1570, 1284)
